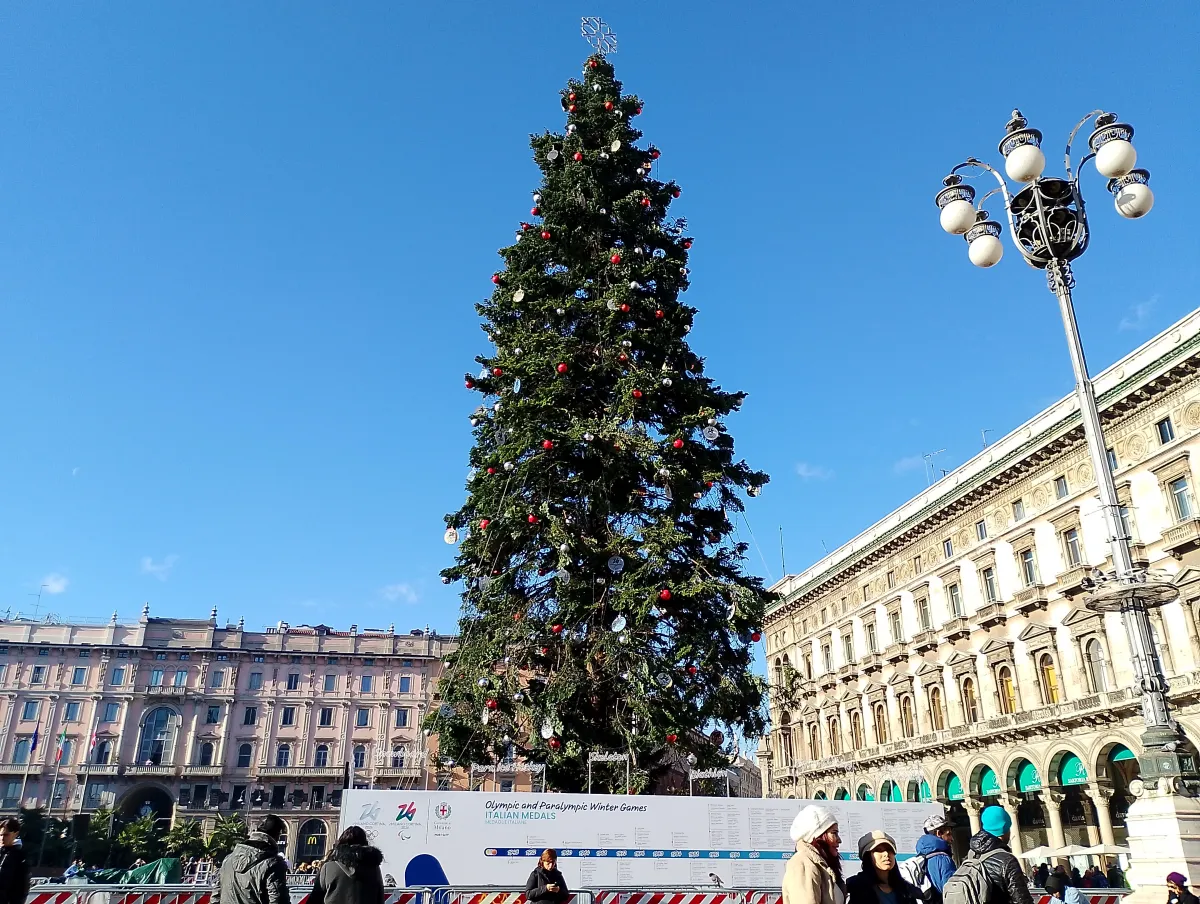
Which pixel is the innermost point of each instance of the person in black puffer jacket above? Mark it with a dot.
(880, 881)
(546, 884)
(1006, 881)
(351, 874)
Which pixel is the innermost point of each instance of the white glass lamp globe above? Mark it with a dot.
(1115, 158)
(1025, 163)
(985, 251)
(957, 217)
(1134, 201)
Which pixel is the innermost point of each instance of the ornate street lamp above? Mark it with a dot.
(1048, 224)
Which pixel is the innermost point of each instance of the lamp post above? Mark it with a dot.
(1048, 225)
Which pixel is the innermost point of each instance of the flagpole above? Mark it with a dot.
(28, 760)
(87, 757)
(53, 787)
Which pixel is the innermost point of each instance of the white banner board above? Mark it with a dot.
(603, 841)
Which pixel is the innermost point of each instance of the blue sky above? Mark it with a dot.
(240, 244)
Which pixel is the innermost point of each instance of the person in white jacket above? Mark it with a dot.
(814, 873)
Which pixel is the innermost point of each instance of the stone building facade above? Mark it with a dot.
(192, 719)
(946, 653)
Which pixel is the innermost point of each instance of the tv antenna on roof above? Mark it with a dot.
(929, 469)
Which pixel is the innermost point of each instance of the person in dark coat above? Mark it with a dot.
(351, 873)
(14, 871)
(546, 884)
(1178, 891)
(880, 881)
(253, 872)
(1006, 880)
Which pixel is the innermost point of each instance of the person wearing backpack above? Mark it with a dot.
(990, 874)
(880, 881)
(933, 864)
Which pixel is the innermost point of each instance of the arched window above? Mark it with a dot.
(157, 744)
(936, 711)
(360, 756)
(814, 741)
(881, 732)
(1008, 693)
(908, 719)
(397, 757)
(206, 754)
(1097, 671)
(103, 753)
(970, 701)
(245, 755)
(835, 735)
(856, 730)
(321, 755)
(310, 845)
(785, 740)
(21, 752)
(283, 756)
(1049, 679)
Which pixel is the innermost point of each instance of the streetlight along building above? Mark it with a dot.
(946, 652)
(186, 718)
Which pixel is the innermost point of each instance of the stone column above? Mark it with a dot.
(1099, 795)
(1189, 618)
(1010, 802)
(1052, 800)
(973, 808)
(1081, 664)
(1164, 836)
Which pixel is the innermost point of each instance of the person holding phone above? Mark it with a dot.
(546, 883)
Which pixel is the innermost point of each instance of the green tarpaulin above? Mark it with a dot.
(157, 872)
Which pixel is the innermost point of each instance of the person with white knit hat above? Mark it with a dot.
(814, 873)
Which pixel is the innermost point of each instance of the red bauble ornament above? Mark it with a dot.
(623, 358)
(678, 444)
(547, 444)
(546, 234)
(525, 227)
(571, 109)
(492, 704)
(638, 111)
(624, 309)
(616, 258)
(672, 738)
(645, 202)
(516, 616)
(675, 193)
(578, 156)
(654, 153)
(496, 372)
(571, 96)
(496, 278)
(756, 637)
(470, 384)
(556, 629)
(562, 368)
(637, 393)
(545, 651)
(608, 105)
(491, 471)
(554, 743)
(664, 594)
(692, 670)
(532, 519)
(592, 64)
(687, 243)
(708, 483)
(659, 315)
(483, 523)
(535, 211)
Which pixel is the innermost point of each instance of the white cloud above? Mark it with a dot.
(160, 570)
(399, 593)
(54, 583)
(909, 463)
(1139, 315)
(805, 471)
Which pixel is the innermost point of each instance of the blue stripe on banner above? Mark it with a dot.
(656, 854)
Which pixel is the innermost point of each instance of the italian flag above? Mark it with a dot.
(62, 739)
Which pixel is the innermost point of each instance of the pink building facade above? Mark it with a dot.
(192, 719)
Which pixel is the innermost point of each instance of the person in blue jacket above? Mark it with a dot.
(934, 848)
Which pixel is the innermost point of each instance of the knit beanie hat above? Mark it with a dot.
(1177, 878)
(811, 823)
(995, 821)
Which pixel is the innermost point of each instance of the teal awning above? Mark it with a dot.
(989, 785)
(954, 788)
(820, 795)
(1072, 771)
(1121, 753)
(1028, 778)
(841, 794)
(926, 794)
(864, 793)
(897, 794)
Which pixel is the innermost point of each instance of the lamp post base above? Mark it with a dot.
(1164, 837)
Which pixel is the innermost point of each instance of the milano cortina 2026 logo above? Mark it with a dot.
(406, 811)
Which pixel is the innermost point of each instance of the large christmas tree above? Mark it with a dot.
(605, 606)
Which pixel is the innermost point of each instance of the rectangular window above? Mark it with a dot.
(318, 797)
(160, 656)
(295, 660)
(891, 580)
(222, 657)
(827, 656)
(112, 712)
(30, 711)
(332, 660)
(1028, 567)
(923, 613)
(258, 658)
(289, 716)
(79, 675)
(808, 668)
(990, 592)
(405, 684)
(506, 785)
(218, 678)
(256, 681)
(293, 681)
(1111, 454)
(848, 647)
(872, 640)
(1126, 520)
(3, 673)
(181, 677)
(326, 718)
(402, 718)
(214, 715)
(824, 615)
(331, 682)
(250, 717)
(948, 548)
(362, 718)
(366, 683)
(406, 663)
(1181, 496)
(85, 654)
(1166, 431)
(43, 652)
(917, 565)
(1018, 510)
(1060, 487)
(39, 675)
(1071, 547)
(954, 592)
(156, 678)
(368, 660)
(71, 714)
(980, 530)
(894, 626)
(184, 657)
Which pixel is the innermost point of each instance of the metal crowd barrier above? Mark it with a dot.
(182, 894)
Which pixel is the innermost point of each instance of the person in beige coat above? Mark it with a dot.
(814, 873)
